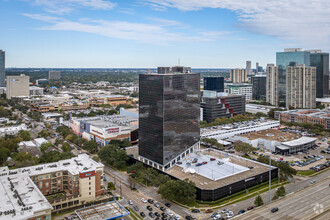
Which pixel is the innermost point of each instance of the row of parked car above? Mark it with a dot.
(321, 166)
(163, 216)
(310, 159)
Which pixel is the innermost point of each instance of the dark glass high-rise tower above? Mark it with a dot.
(258, 87)
(169, 116)
(2, 69)
(214, 83)
(321, 62)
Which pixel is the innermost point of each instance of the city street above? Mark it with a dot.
(305, 204)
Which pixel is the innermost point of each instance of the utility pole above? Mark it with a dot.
(270, 179)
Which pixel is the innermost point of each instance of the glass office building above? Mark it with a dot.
(258, 87)
(289, 57)
(169, 116)
(214, 84)
(321, 62)
(2, 69)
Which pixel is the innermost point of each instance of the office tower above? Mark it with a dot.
(239, 89)
(321, 62)
(260, 69)
(54, 75)
(169, 117)
(17, 86)
(291, 57)
(214, 83)
(174, 69)
(248, 68)
(2, 69)
(258, 87)
(238, 75)
(257, 67)
(300, 86)
(219, 104)
(272, 85)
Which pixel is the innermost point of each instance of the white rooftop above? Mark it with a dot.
(300, 141)
(21, 196)
(214, 170)
(80, 164)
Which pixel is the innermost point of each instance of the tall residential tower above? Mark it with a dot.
(2, 69)
(272, 84)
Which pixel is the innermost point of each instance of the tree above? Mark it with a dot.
(96, 158)
(66, 147)
(25, 135)
(45, 146)
(178, 190)
(4, 154)
(111, 186)
(244, 148)
(44, 133)
(258, 201)
(91, 146)
(113, 156)
(280, 191)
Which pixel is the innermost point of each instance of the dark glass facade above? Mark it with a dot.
(284, 59)
(214, 84)
(2, 69)
(258, 87)
(169, 115)
(321, 62)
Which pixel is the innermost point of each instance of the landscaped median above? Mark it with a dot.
(133, 214)
(311, 173)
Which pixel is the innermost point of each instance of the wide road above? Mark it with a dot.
(306, 204)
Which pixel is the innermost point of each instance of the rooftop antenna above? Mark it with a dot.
(179, 61)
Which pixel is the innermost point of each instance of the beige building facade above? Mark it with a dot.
(272, 84)
(238, 75)
(17, 86)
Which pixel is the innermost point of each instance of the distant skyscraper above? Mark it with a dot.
(215, 83)
(238, 75)
(301, 86)
(257, 67)
(2, 69)
(17, 86)
(54, 75)
(289, 57)
(169, 117)
(258, 87)
(321, 62)
(272, 84)
(174, 69)
(248, 68)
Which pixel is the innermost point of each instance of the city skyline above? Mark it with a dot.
(151, 33)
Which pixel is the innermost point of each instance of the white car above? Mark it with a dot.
(170, 213)
(143, 200)
(177, 217)
(224, 211)
(230, 215)
(130, 202)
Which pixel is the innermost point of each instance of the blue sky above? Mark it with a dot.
(151, 33)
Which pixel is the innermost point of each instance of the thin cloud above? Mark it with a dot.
(155, 33)
(300, 22)
(67, 6)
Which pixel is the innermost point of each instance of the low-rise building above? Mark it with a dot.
(103, 129)
(239, 89)
(51, 116)
(36, 91)
(108, 100)
(12, 130)
(218, 105)
(311, 116)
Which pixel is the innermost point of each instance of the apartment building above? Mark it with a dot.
(272, 95)
(239, 89)
(238, 75)
(300, 86)
(66, 183)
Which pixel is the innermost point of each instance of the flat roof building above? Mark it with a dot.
(213, 83)
(258, 87)
(2, 69)
(54, 75)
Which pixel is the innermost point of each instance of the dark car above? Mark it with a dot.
(151, 215)
(150, 201)
(250, 207)
(241, 211)
(164, 215)
(162, 208)
(195, 211)
(168, 205)
(274, 210)
(149, 208)
(189, 217)
(136, 208)
(142, 214)
(157, 214)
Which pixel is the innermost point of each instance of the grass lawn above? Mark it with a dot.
(305, 172)
(57, 195)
